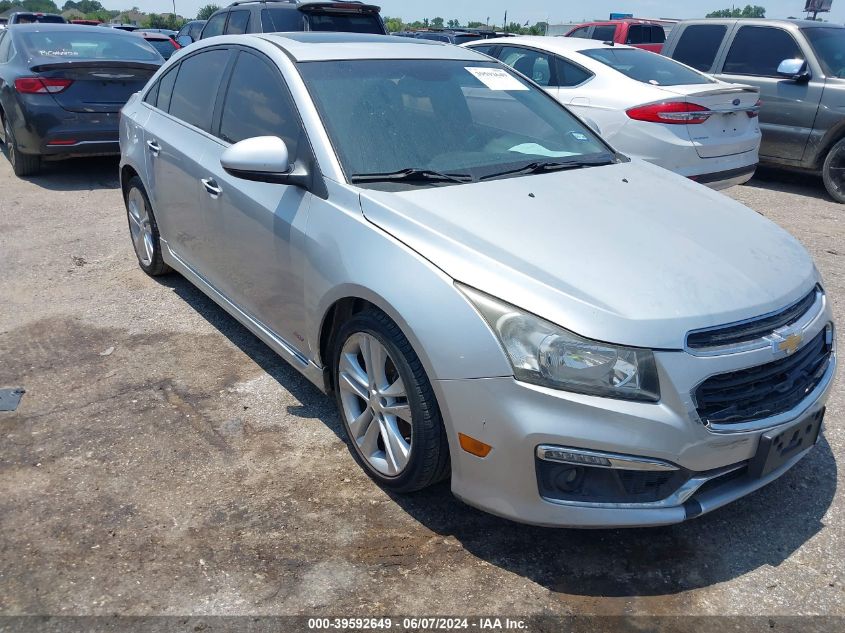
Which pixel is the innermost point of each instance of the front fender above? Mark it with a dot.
(347, 256)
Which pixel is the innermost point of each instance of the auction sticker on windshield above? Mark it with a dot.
(496, 79)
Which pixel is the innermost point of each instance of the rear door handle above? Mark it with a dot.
(211, 187)
(155, 148)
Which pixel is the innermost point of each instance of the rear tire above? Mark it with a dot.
(22, 164)
(387, 406)
(143, 229)
(833, 172)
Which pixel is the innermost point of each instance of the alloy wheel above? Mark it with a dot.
(375, 404)
(836, 169)
(140, 226)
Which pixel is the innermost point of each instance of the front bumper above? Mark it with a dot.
(516, 418)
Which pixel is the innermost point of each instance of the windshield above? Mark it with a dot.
(87, 44)
(470, 118)
(829, 45)
(647, 67)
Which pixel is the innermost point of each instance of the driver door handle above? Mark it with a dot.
(211, 187)
(154, 147)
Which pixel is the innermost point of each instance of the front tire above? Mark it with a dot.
(392, 421)
(143, 229)
(833, 172)
(22, 164)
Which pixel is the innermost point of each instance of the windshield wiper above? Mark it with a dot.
(540, 167)
(412, 174)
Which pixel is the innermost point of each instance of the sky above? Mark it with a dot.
(555, 11)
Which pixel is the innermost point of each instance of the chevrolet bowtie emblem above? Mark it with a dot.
(791, 343)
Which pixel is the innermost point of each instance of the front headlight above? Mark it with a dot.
(544, 354)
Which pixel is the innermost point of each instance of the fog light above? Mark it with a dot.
(474, 446)
(570, 479)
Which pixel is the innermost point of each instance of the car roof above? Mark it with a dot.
(620, 21)
(561, 45)
(798, 24)
(324, 46)
(61, 26)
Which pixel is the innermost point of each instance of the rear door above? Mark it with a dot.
(788, 108)
(258, 227)
(177, 137)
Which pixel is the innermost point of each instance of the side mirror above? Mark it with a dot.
(263, 159)
(184, 40)
(794, 69)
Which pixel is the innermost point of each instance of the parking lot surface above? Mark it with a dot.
(164, 461)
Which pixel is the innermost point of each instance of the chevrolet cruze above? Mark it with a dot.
(486, 288)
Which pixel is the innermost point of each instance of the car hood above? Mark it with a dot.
(626, 253)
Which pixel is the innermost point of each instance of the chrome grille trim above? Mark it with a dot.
(758, 332)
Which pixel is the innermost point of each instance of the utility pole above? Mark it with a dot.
(505, 24)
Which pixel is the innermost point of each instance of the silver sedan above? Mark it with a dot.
(489, 291)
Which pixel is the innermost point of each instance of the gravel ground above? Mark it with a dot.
(163, 461)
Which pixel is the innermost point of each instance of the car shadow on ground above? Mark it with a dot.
(764, 528)
(786, 181)
(313, 403)
(78, 174)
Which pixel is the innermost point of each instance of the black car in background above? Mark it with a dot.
(62, 87)
(273, 16)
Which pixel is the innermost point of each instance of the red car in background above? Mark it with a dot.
(640, 33)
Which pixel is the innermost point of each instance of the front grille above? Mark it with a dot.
(766, 390)
(739, 333)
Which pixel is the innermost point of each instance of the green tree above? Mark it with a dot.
(476, 25)
(453, 24)
(437, 23)
(85, 6)
(749, 11)
(394, 24)
(541, 28)
(206, 11)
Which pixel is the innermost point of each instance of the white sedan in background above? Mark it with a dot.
(646, 105)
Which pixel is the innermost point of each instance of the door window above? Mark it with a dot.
(258, 104)
(238, 22)
(658, 34)
(583, 33)
(533, 64)
(604, 33)
(698, 45)
(5, 41)
(569, 75)
(639, 34)
(215, 25)
(280, 20)
(159, 95)
(196, 30)
(195, 91)
(759, 50)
